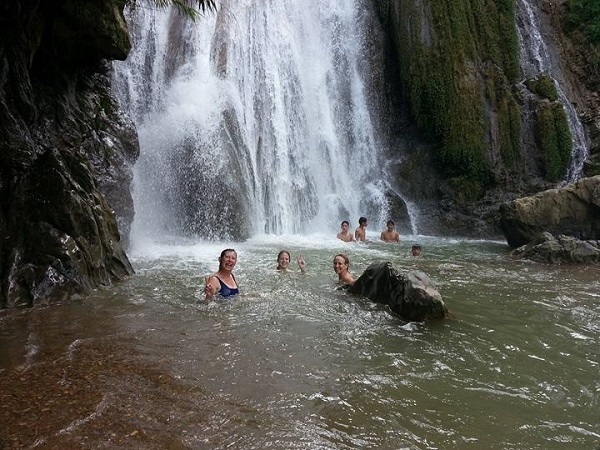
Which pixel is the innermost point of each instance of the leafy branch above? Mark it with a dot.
(190, 8)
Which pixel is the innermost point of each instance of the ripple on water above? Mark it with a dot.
(295, 363)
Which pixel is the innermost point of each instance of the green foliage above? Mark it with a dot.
(544, 86)
(467, 189)
(509, 115)
(584, 16)
(554, 139)
(190, 8)
(457, 61)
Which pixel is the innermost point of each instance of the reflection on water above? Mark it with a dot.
(294, 363)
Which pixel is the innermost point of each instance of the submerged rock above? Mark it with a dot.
(412, 296)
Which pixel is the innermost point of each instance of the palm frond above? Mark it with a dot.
(190, 8)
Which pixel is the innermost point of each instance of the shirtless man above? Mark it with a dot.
(360, 234)
(345, 235)
(390, 235)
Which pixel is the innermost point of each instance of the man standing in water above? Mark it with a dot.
(360, 234)
(390, 235)
(345, 235)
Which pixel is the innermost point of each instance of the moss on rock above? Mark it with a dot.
(543, 85)
(457, 63)
(554, 139)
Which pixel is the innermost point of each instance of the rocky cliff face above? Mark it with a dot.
(65, 150)
(580, 58)
(487, 134)
(481, 135)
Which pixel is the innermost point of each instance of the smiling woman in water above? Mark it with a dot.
(341, 264)
(223, 282)
(283, 261)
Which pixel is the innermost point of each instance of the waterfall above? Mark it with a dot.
(259, 118)
(536, 58)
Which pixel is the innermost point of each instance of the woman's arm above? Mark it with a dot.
(211, 287)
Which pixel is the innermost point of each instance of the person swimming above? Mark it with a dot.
(390, 234)
(223, 282)
(345, 234)
(341, 264)
(360, 234)
(283, 261)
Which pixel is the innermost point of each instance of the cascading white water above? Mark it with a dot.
(536, 58)
(256, 119)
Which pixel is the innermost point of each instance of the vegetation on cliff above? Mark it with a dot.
(552, 132)
(186, 7)
(554, 139)
(584, 15)
(582, 24)
(458, 61)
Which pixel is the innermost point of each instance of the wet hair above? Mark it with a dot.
(223, 253)
(346, 222)
(390, 222)
(362, 220)
(227, 250)
(416, 247)
(282, 252)
(344, 257)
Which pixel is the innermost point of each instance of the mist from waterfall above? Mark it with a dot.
(260, 118)
(537, 58)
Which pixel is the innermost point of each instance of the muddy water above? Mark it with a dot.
(294, 363)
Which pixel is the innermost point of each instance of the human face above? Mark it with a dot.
(284, 260)
(344, 227)
(390, 227)
(339, 265)
(228, 261)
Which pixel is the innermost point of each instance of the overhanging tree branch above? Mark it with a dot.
(190, 8)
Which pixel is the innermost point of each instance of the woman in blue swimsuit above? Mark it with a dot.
(223, 282)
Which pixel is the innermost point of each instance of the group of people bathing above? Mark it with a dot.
(224, 284)
(360, 234)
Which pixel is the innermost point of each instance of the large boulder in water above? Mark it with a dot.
(559, 249)
(412, 296)
(573, 210)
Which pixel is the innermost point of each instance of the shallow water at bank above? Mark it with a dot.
(295, 363)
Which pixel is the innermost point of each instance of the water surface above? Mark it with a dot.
(295, 363)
